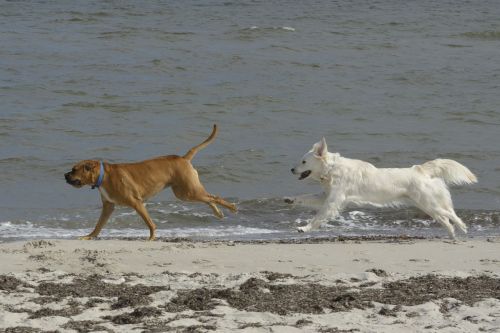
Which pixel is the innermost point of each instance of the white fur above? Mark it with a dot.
(357, 183)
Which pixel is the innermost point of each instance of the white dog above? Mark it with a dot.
(348, 182)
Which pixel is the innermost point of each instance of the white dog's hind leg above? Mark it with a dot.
(447, 210)
(434, 199)
(308, 200)
(440, 216)
(457, 221)
(444, 221)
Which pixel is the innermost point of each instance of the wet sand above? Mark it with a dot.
(317, 285)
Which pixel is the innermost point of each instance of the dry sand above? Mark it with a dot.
(384, 285)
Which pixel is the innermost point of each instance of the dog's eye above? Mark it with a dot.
(87, 167)
(303, 162)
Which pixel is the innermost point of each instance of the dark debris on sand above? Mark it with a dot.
(131, 300)
(155, 325)
(267, 294)
(48, 312)
(336, 330)
(93, 286)
(378, 272)
(24, 329)
(84, 326)
(10, 283)
(261, 296)
(298, 240)
(134, 317)
(418, 290)
(272, 276)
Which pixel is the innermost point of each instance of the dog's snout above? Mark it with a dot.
(293, 170)
(67, 176)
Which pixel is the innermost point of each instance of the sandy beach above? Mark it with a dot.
(395, 84)
(346, 285)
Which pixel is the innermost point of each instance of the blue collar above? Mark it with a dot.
(101, 175)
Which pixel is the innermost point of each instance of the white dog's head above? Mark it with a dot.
(313, 163)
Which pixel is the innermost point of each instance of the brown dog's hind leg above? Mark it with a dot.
(212, 200)
(216, 210)
(141, 210)
(107, 209)
(192, 190)
(223, 203)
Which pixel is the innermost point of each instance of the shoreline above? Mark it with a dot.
(339, 285)
(287, 240)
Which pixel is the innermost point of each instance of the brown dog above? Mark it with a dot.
(131, 184)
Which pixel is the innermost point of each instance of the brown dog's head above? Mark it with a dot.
(83, 173)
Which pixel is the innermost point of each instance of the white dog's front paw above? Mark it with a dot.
(305, 228)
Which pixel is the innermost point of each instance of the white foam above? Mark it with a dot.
(27, 230)
(285, 28)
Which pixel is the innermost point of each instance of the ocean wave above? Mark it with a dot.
(482, 35)
(28, 230)
(254, 27)
(257, 218)
(253, 32)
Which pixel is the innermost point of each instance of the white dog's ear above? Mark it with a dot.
(320, 148)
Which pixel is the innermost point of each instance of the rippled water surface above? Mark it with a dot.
(395, 83)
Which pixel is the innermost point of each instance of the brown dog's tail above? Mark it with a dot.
(190, 154)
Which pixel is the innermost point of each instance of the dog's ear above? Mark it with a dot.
(320, 148)
(89, 166)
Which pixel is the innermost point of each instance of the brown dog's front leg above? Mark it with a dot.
(107, 209)
(141, 210)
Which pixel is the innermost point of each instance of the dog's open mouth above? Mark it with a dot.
(75, 183)
(305, 174)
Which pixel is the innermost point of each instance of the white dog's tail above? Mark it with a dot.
(452, 172)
